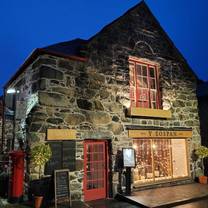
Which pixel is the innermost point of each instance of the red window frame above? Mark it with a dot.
(142, 77)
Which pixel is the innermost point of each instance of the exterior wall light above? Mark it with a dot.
(12, 91)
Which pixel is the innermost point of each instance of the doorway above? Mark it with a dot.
(95, 170)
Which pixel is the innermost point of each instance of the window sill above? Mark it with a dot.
(148, 112)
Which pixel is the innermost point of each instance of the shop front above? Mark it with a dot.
(161, 156)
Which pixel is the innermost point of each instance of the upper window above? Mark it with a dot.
(144, 90)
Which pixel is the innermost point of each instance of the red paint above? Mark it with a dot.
(95, 170)
(144, 94)
(17, 175)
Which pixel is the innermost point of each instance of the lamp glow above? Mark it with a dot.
(11, 91)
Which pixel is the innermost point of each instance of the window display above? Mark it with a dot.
(160, 159)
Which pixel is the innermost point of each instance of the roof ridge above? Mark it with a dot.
(142, 2)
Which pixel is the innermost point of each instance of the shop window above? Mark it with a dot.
(160, 159)
(144, 86)
(63, 156)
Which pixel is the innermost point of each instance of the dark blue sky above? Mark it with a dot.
(29, 24)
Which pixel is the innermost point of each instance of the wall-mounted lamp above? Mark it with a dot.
(12, 91)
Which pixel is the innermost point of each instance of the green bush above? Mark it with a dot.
(40, 155)
(202, 152)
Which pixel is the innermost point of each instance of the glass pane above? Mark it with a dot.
(152, 84)
(143, 98)
(152, 72)
(145, 85)
(179, 158)
(89, 148)
(138, 69)
(153, 105)
(162, 159)
(143, 172)
(139, 81)
(153, 95)
(144, 71)
(100, 184)
(143, 95)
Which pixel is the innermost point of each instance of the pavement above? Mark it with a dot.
(197, 204)
(184, 196)
(113, 203)
(165, 197)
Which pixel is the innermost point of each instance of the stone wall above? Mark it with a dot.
(91, 97)
(203, 114)
(137, 34)
(1, 134)
(26, 99)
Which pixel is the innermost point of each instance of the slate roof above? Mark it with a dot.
(72, 47)
(202, 89)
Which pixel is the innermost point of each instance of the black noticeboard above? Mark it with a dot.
(62, 188)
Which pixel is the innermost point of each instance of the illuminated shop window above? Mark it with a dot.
(144, 90)
(160, 159)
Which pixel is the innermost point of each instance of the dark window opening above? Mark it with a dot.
(63, 156)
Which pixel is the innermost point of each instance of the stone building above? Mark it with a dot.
(202, 93)
(126, 87)
(1, 117)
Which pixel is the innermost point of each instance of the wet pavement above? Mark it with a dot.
(102, 203)
(184, 196)
(197, 204)
(110, 203)
(168, 196)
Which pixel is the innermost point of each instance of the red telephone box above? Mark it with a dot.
(17, 176)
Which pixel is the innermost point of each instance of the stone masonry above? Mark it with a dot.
(92, 96)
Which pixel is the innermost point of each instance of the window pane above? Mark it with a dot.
(179, 158)
(143, 172)
(144, 70)
(153, 105)
(152, 72)
(139, 81)
(143, 98)
(143, 77)
(153, 96)
(152, 84)
(143, 95)
(138, 68)
(162, 159)
(145, 85)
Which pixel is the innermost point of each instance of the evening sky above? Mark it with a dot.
(29, 24)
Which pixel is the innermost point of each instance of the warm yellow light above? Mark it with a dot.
(154, 146)
(134, 146)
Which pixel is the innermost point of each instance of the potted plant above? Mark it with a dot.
(202, 152)
(40, 155)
